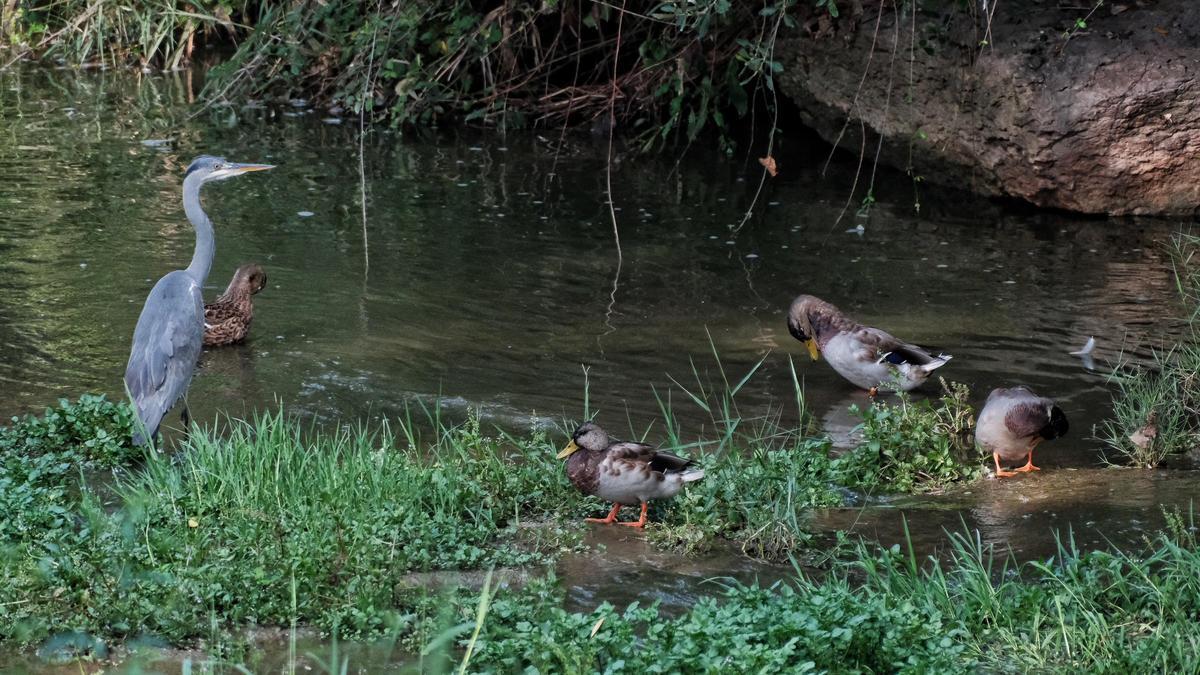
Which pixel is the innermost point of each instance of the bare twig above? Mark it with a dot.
(857, 92)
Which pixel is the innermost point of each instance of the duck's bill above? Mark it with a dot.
(569, 450)
(813, 351)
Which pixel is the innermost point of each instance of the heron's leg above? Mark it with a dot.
(185, 416)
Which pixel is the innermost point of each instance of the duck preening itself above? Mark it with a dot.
(1013, 422)
(624, 472)
(868, 357)
(227, 319)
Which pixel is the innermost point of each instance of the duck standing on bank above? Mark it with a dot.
(868, 357)
(227, 319)
(623, 472)
(1013, 422)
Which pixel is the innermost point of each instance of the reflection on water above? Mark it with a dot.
(491, 264)
(1097, 508)
(485, 270)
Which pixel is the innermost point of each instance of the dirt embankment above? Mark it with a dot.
(1097, 119)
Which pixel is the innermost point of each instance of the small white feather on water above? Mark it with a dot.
(1087, 348)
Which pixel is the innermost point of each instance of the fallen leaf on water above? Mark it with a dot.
(768, 163)
(1162, 30)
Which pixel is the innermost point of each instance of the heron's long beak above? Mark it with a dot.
(246, 168)
(813, 351)
(569, 450)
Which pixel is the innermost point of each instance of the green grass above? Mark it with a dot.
(265, 523)
(1155, 406)
(268, 524)
(913, 446)
(221, 533)
(885, 611)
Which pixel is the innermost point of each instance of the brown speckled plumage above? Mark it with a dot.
(227, 319)
(625, 472)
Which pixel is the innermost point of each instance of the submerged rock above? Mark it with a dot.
(1092, 113)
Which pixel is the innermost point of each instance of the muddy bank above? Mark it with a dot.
(1096, 119)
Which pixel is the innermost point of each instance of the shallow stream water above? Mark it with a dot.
(484, 273)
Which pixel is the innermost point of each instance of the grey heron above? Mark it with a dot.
(170, 330)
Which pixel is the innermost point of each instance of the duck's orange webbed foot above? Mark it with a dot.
(1028, 465)
(640, 522)
(609, 519)
(1001, 473)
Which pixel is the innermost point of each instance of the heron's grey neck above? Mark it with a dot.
(206, 246)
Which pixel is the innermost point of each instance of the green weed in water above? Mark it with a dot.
(913, 446)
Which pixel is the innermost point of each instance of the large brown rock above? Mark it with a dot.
(1107, 121)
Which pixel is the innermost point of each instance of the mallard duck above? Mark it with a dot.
(227, 319)
(1013, 422)
(623, 472)
(867, 357)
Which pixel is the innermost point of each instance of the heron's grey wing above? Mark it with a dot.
(166, 344)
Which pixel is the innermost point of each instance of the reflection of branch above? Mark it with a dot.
(612, 211)
(362, 164)
(612, 300)
(887, 103)
(862, 151)
(771, 135)
(857, 92)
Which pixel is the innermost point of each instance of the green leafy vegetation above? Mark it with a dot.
(222, 533)
(41, 458)
(757, 497)
(913, 446)
(884, 611)
(661, 72)
(1155, 407)
(266, 524)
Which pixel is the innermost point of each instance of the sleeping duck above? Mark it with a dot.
(227, 319)
(1013, 422)
(623, 472)
(868, 357)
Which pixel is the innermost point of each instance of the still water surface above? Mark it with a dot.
(485, 273)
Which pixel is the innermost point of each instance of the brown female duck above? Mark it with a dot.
(227, 319)
(1013, 422)
(623, 472)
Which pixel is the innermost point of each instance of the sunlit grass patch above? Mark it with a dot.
(221, 532)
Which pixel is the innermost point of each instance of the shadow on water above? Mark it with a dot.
(490, 274)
